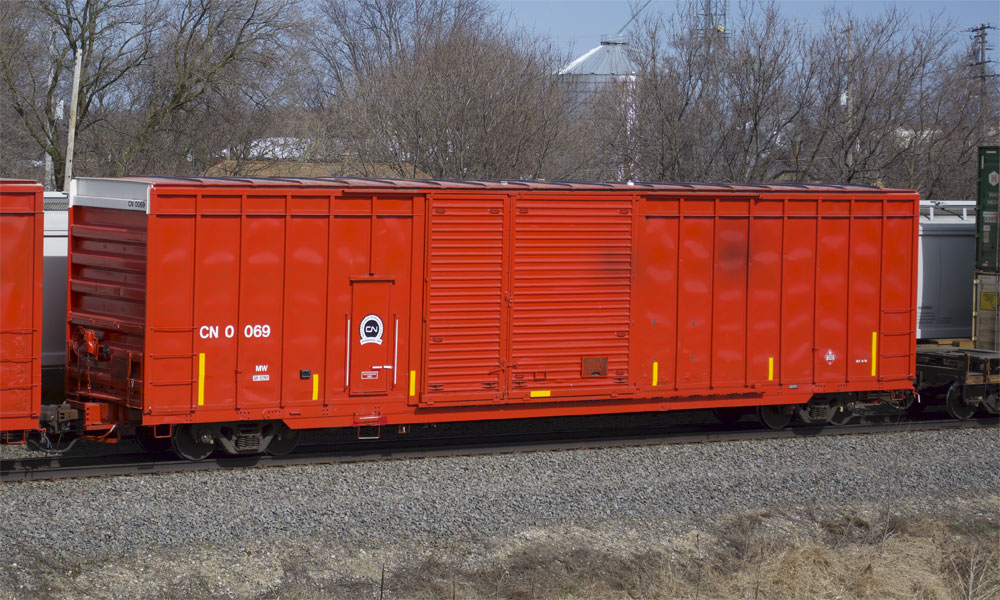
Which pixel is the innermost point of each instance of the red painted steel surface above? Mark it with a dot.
(21, 238)
(338, 302)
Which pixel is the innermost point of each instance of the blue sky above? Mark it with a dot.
(575, 26)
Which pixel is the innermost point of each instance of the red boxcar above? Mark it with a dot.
(350, 302)
(21, 236)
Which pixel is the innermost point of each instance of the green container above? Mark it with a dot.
(987, 206)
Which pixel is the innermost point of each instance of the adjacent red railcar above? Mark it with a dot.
(235, 311)
(21, 237)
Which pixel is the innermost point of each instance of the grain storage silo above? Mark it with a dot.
(612, 62)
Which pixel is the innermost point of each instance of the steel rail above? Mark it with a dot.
(47, 468)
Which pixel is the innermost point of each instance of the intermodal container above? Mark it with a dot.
(987, 209)
(21, 238)
(344, 302)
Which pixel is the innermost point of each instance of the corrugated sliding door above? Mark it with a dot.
(465, 299)
(570, 295)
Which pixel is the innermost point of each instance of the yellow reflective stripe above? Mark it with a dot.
(770, 368)
(540, 393)
(656, 373)
(316, 387)
(201, 379)
(874, 350)
(413, 383)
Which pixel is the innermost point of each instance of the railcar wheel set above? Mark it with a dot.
(231, 314)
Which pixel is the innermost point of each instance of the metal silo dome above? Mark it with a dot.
(610, 62)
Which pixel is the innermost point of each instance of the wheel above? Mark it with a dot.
(991, 404)
(189, 441)
(144, 437)
(843, 413)
(283, 442)
(728, 414)
(958, 408)
(816, 413)
(774, 416)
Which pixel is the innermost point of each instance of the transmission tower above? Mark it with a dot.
(712, 19)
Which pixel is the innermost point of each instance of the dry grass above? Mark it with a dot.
(803, 552)
(757, 556)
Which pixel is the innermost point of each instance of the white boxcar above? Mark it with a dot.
(946, 268)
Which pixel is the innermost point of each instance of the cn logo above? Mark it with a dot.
(371, 330)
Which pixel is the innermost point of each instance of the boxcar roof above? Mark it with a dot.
(445, 184)
(8, 181)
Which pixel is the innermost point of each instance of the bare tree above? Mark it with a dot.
(435, 87)
(710, 105)
(874, 100)
(360, 37)
(677, 100)
(154, 76)
(38, 39)
(766, 89)
(446, 88)
(214, 63)
(869, 74)
(955, 111)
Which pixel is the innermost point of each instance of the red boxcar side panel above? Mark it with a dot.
(172, 361)
(831, 300)
(797, 296)
(216, 311)
(349, 259)
(21, 231)
(729, 303)
(655, 319)
(895, 346)
(764, 307)
(863, 299)
(305, 318)
(694, 303)
(260, 331)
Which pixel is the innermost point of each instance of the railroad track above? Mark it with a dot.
(63, 467)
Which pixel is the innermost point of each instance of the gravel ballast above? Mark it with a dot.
(243, 531)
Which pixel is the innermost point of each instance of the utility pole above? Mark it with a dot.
(980, 63)
(849, 100)
(50, 176)
(979, 48)
(71, 140)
